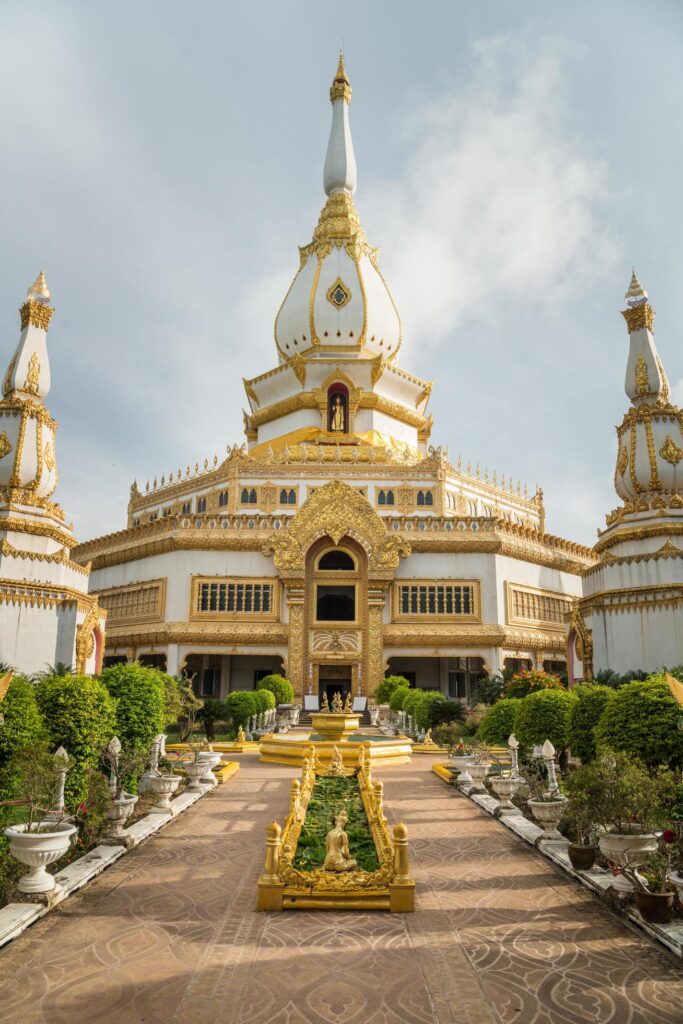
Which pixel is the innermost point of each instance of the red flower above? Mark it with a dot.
(669, 836)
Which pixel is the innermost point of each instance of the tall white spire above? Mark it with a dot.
(645, 377)
(340, 173)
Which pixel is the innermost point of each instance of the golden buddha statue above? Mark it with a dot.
(241, 735)
(338, 415)
(337, 847)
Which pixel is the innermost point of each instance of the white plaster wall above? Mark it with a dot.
(33, 637)
(286, 424)
(646, 639)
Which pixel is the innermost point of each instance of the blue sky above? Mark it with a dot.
(162, 160)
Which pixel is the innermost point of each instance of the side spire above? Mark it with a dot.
(645, 377)
(340, 173)
(28, 373)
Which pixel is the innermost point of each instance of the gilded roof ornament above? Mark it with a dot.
(39, 289)
(636, 293)
(341, 87)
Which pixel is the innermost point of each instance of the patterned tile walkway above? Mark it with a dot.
(169, 935)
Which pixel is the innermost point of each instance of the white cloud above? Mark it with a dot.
(498, 202)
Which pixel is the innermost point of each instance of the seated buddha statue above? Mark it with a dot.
(337, 847)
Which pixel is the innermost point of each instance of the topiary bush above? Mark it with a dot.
(642, 719)
(80, 715)
(280, 687)
(398, 697)
(584, 715)
(140, 696)
(265, 699)
(411, 702)
(544, 716)
(386, 688)
(242, 704)
(22, 726)
(499, 721)
(531, 680)
(426, 709)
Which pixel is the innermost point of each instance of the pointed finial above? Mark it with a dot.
(636, 293)
(341, 87)
(39, 289)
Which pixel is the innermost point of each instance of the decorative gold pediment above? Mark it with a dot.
(336, 511)
(671, 451)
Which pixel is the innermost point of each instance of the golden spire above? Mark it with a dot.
(39, 288)
(341, 87)
(636, 293)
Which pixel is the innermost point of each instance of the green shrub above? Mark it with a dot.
(642, 719)
(447, 712)
(280, 687)
(488, 689)
(174, 704)
(140, 696)
(242, 704)
(531, 680)
(212, 711)
(616, 791)
(397, 698)
(79, 715)
(265, 699)
(431, 700)
(411, 701)
(499, 721)
(584, 715)
(542, 716)
(22, 726)
(387, 686)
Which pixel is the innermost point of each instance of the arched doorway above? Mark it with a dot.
(336, 580)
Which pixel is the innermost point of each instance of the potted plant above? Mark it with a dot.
(544, 800)
(160, 780)
(479, 769)
(622, 800)
(40, 840)
(505, 787)
(582, 831)
(121, 763)
(653, 884)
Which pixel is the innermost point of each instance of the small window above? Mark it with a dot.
(167, 512)
(187, 508)
(335, 604)
(425, 498)
(336, 561)
(201, 505)
(381, 498)
(248, 497)
(291, 497)
(390, 497)
(222, 499)
(153, 516)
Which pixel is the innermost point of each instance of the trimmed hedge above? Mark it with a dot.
(140, 696)
(242, 705)
(22, 726)
(542, 716)
(642, 719)
(410, 702)
(398, 697)
(265, 699)
(499, 721)
(79, 714)
(386, 688)
(584, 716)
(280, 687)
(419, 704)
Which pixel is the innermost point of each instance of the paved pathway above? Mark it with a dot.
(169, 934)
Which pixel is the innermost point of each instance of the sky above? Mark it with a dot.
(162, 160)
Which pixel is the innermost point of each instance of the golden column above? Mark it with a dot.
(294, 592)
(374, 640)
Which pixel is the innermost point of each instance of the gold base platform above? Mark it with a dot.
(293, 748)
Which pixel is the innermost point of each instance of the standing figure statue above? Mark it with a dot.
(348, 704)
(337, 705)
(325, 706)
(338, 424)
(337, 846)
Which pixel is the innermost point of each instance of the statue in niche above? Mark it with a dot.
(337, 846)
(338, 418)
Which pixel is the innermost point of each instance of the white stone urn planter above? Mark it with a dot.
(627, 850)
(118, 814)
(194, 770)
(37, 850)
(677, 879)
(162, 787)
(505, 789)
(478, 773)
(209, 759)
(549, 814)
(463, 762)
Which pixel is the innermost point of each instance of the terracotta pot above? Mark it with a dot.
(655, 907)
(582, 857)
(548, 813)
(37, 850)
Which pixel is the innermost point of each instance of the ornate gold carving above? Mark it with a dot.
(624, 599)
(58, 558)
(642, 382)
(49, 457)
(7, 382)
(32, 381)
(670, 451)
(379, 365)
(85, 641)
(5, 446)
(251, 394)
(336, 510)
(137, 602)
(640, 317)
(450, 636)
(583, 642)
(267, 498)
(341, 87)
(40, 530)
(335, 641)
(622, 461)
(655, 484)
(35, 314)
(298, 364)
(338, 294)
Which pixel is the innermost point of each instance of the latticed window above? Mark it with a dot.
(539, 607)
(187, 508)
(132, 603)
(234, 596)
(436, 599)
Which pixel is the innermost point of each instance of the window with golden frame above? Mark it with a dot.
(438, 599)
(335, 590)
(531, 606)
(238, 597)
(140, 602)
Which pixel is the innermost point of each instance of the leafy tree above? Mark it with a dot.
(22, 726)
(280, 687)
(398, 697)
(387, 686)
(530, 680)
(212, 712)
(499, 721)
(80, 715)
(643, 720)
(584, 716)
(242, 705)
(542, 716)
(140, 696)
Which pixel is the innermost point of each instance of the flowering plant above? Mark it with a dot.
(530, 680)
